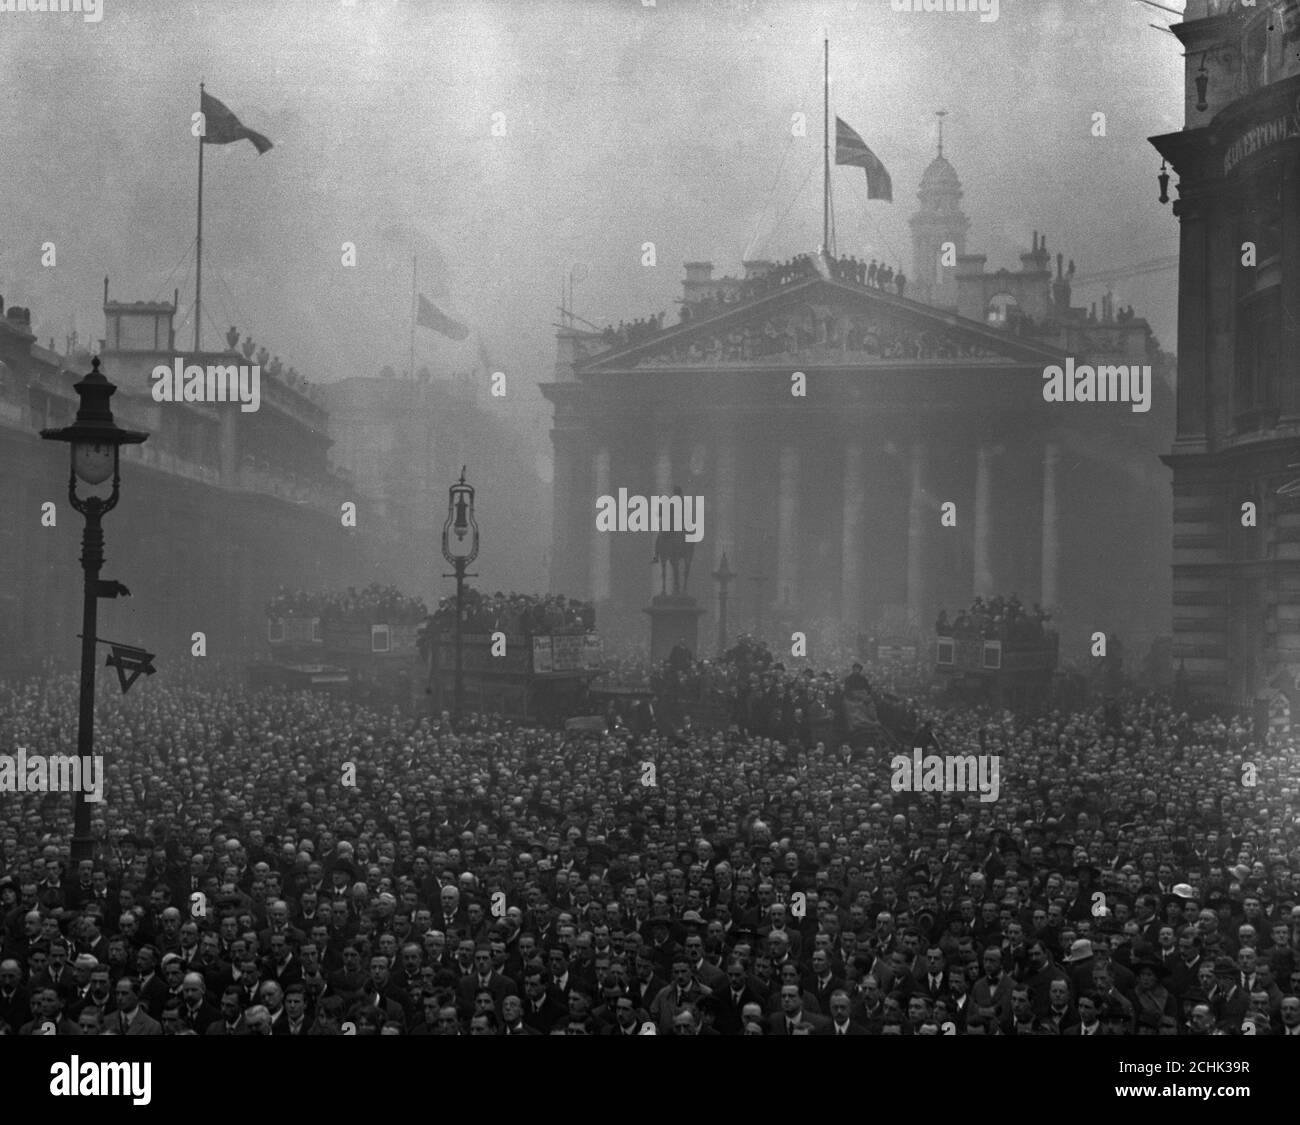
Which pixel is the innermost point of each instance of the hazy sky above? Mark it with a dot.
(624, 124)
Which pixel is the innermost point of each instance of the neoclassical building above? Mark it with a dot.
(919, 467)
(1236, 171)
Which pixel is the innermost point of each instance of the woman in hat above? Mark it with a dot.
(1153, 999)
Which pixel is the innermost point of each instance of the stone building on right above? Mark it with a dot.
(1236, 455)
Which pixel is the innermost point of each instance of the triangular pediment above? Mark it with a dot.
(816, 322)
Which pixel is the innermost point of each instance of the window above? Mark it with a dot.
(379, 639)
(993, 655)
(945, 655)
(275, 630)
(1000, 309)
(1257, 359)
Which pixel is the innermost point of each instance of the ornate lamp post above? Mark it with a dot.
(460, 548)
(724, 574)
(96, 441)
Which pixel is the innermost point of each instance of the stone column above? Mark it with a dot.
(984, 520)
(1051, 527)
(917, 516)
(723, 515)
(601, 541)
(571, 502)
(854, 529)
(663, 486)
(787, 530)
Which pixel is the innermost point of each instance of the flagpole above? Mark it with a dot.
(198, 242)
(826, 144)
(415, 259)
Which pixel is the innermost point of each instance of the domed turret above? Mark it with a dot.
(940, 220)
(940, 188)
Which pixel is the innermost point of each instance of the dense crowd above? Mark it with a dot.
(495, 879)
(998, 619)
(632, 332)
(750, 690)
(878, 276)
(533, 614)
(375, 605)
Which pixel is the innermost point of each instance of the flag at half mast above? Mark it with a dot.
(221, 127)
(852, 149)
(429, 316)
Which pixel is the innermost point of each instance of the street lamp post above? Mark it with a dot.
(96, 442)
(460, 548)
(724, 575)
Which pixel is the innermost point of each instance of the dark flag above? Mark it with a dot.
(221, 127)
(852, 149)
(430, 317)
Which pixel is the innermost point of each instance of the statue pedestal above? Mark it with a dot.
(674, 619)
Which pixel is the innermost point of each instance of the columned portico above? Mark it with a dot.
(832, 500)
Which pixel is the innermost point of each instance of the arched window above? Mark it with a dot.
(999, 309)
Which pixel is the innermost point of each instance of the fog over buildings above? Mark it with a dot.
(624, 124)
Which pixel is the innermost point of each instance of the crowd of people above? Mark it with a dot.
(778, 274)
(749, 690)
(489, 878)
(632, 332)
(998, 619)
(375, 605)
(533, 614)
(876, 275)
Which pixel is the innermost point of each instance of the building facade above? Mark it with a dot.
(404, 442)
(1236, 533)
(218, 508)
(920, 465)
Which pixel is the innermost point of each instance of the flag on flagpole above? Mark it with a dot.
(852, 149)
(430, 317)
(221, 127)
